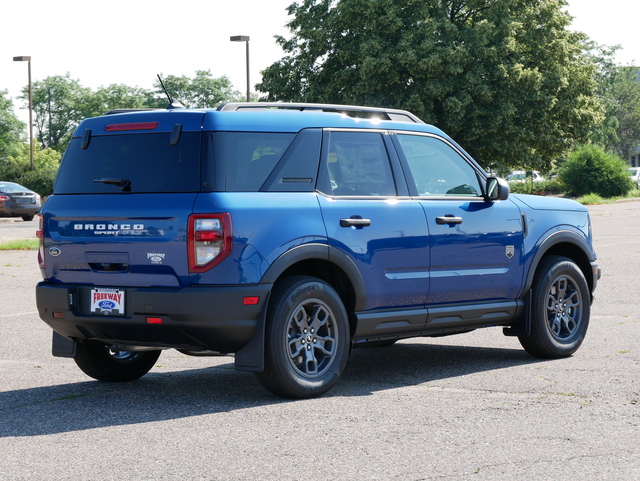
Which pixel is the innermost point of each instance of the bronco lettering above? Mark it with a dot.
(108, 227)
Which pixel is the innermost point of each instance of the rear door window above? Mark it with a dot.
(358, 165)
(147, 161)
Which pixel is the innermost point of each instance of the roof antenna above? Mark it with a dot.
(173, 103)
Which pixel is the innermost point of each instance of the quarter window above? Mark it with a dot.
(251, 157)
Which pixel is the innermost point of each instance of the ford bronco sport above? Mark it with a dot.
(288, 234)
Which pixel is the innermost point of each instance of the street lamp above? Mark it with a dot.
(28, 60)
(244, 38)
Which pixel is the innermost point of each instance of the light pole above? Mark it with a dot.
(28, 60)
(244, 38)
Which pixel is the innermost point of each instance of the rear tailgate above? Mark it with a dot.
(118, 240)
(125, 189)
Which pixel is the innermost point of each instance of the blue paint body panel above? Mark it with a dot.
(398, 267)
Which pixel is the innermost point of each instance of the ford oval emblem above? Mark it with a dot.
(54, 251)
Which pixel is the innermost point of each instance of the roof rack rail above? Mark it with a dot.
(383, 113)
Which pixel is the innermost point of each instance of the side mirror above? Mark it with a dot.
(497, 189)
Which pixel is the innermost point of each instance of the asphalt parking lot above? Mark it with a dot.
(474, 406)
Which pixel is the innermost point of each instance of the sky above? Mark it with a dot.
(131, 41)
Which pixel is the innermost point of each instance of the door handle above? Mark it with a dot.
(448, 219)
(355, 221)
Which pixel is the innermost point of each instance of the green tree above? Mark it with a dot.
(619, 91)
(16, 168)
(622, 98)
(605, 133)
(591, 170)
(117, 96)
(203, 91)
(11, 128)
(58, 104)
(506, 78)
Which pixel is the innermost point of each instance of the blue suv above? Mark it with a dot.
(289, 234)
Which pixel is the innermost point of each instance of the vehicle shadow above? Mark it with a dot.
(165, 396)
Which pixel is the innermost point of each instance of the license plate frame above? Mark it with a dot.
(107, 301)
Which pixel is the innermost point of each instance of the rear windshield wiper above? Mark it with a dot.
(119, 182)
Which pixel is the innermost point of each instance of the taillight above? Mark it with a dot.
(40, 235)
(210, 240)
(4, 198)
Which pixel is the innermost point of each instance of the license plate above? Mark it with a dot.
(107, 301)
(24, 200)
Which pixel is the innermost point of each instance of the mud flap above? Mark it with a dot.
(251, 357)
(62, 347)
(522, 325)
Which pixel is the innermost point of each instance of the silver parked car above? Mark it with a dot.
(18, 201)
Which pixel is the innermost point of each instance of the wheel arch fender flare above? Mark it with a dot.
(567, 243)
(321, 252)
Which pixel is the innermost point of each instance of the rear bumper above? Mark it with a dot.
(10, 209)
(192, 318)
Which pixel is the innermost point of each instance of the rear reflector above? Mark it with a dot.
(154, 320)
(131, 126)
(251, 300)
(58, 315)
(210, 236)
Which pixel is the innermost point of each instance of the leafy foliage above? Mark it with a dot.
(203, 91)
(546, 187)
(619, 91)
(16, 169)
(504, 77)
(623, 97)
(117, 96)
(591, 170)
(11, 129)
(58, 108)
(60, 102)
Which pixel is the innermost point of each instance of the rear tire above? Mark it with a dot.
(560, 311)
(28, 218)
(307, 339)
(102, 362)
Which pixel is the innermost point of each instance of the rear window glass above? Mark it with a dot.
(12, 187)
(131, 162)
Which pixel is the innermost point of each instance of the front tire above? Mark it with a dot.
(560, 311)
(104, 363)
(307, 339)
